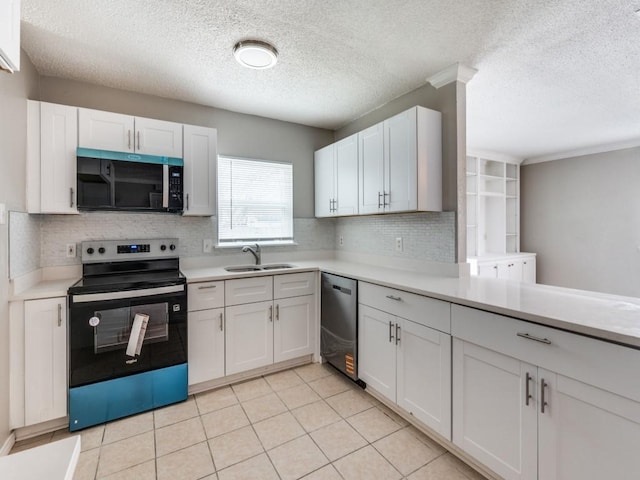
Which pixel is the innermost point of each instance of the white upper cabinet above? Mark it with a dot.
(398, 168)
(51, 170)
(336, 178)
(324, 175)
(371, 169)
(200, 154)
(10, 35)
(124, 133)
(400, 163)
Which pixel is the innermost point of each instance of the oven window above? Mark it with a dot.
(114, 329)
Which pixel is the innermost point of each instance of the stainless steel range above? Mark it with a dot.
(127, 331)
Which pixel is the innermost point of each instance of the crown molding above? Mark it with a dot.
(491, 155)
(579, 152)
(453, 73)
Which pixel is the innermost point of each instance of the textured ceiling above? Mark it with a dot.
(554, 75)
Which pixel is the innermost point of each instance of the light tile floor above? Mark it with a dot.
(309, 422)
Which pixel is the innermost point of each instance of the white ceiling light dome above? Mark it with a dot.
(255, 54)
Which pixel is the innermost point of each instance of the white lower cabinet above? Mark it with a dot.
(405, 360)
(294, 331)
(261, 333)
(249, 336)
(491, 420)
(246, 323)
(206, 345)
(206, 327)
(520, 267)
(532, 402)
(45, 359)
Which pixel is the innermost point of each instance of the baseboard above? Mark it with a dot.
(8, 444)
(250, 374)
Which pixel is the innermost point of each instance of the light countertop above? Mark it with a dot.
(46, 289)
(610, 317)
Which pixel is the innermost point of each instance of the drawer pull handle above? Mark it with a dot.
(543, 402)
(397, 299)
(546, 341)
(59, 315)
(527, 394)
(397, 333)
(390, 332)
(271, 313)
(278, 311)
(221, 323)
(205, 287)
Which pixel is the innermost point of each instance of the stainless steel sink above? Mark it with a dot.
(257, 268)
(243, 268)
(276, 266)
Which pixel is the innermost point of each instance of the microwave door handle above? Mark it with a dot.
(165, 186)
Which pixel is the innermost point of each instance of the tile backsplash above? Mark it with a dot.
(40, 240)
(426, 236)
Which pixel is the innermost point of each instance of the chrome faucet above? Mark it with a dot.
(254, 251)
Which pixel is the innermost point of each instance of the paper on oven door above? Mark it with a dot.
(138, 329)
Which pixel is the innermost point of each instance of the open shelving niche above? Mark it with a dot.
(493, 207)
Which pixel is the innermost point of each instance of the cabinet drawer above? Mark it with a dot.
(205, 295)
(248, 290)
(294, 285)
(423, 310)
(605, 365)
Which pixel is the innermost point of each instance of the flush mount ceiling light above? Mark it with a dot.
(255, 54)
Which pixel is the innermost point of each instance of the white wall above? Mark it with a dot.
(14, 90)
(581, 216)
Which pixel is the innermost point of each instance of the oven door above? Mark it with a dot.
(116, 334)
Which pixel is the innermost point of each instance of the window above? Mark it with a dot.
(255, 201)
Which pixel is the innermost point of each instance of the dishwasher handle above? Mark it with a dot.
(346, 291)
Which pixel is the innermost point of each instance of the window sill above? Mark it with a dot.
(262, 244)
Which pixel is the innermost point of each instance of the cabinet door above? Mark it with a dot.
(424, 375)
(105, 130)
(157, 137)
(45, 359)
(324, 176)
(586, 432)
(294, 329)
(346, 183)
(58, 143)
(503, 269)
(249, 336)
(491, 418)
(371, 169)
(515, 269)
(206, 345)
(10, 35)
(529, 270)
(488, 270)
(200, 154)
(400, 162)
(377, 350)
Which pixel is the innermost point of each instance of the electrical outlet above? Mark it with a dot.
(207, 245)
(341, 240)
(71, 250)
(398, 244)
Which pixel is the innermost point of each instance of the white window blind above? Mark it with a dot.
(255, 201)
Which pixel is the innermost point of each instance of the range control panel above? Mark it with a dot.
(122, 250)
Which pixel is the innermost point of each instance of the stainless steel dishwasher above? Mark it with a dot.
(339, 324)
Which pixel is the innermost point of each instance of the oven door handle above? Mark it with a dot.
(146, 292)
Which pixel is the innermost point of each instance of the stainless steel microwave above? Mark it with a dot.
(127, 181)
